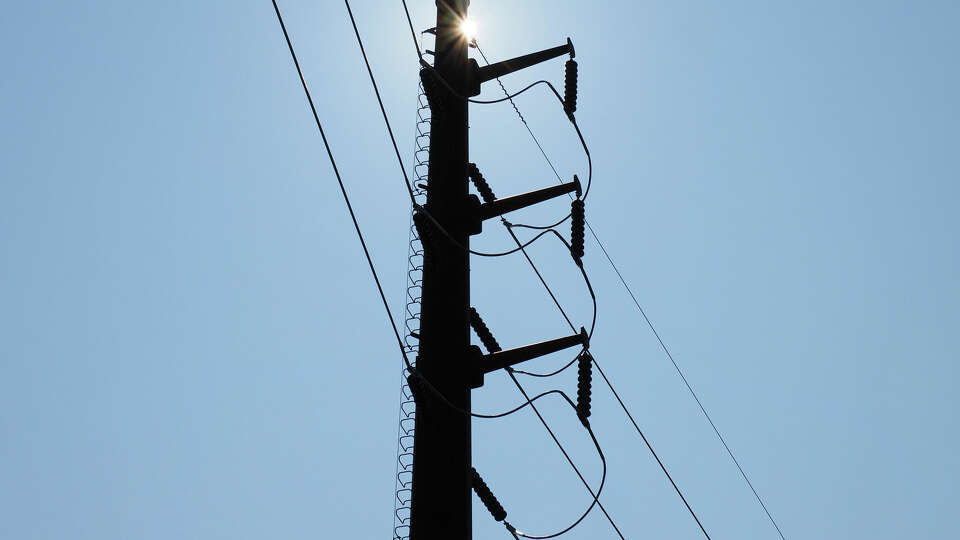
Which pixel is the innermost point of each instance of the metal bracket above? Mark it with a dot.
(479, 75)
(481, 212)
(486, 363)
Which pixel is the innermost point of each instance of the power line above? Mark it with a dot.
(652, 328)
(687, 383)
(383, 110)
(596, 496)
(343, 190)
(569, 322)
(528, 400)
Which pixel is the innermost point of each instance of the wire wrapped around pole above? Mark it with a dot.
(486, 337)
(584, 382)
(483, 188)
(570, 88)
(486, 496)
(577, 221)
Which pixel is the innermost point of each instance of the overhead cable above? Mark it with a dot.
(569, 322)
(343, 190)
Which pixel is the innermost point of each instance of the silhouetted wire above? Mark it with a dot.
(525, 124)
(603, 461)
(462, 247)
(380, 101)
(413, 33)
(617, 395)
(510, 97)
(572, 327)
(386, 120)
(685, 382)
(539, 275)
(519, 386)
(343, 189)
(563, 450)
(572, 119)
(521, 248)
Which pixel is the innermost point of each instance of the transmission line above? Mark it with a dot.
(343, 189)
(649, 323)
(528, 400)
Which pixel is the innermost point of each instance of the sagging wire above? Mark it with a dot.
(449, 237)
(596, 500)
(510, 371)
(410, 367)
(490, 343)
(572, 327)
(429, 84)
(570, 93)
(418, 383)
(400, 343)
(510, 97)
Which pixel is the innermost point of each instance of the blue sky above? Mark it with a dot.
(191, 345)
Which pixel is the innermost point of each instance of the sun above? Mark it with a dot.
(468, 27)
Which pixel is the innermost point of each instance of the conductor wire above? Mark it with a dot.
(572, 327)
(595, 496)
(343, 189)
(383, 110)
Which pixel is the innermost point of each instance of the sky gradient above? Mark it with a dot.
(191, 345)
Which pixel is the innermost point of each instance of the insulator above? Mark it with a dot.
(584, 379)
(486, 497)
(570, 88)
(432, 90)
(486, 337)
(480, 183)
(577, 221)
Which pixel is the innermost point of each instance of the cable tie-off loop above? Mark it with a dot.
(584, 382)
(577, 221)
(486, 496)
(483, 188)
(570, 88)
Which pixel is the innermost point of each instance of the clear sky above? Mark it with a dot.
(191, 345)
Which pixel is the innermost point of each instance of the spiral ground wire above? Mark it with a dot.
(415, 262)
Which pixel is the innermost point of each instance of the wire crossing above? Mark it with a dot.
(576, 248)
(646, 319)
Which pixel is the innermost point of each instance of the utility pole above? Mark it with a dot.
(441, 505)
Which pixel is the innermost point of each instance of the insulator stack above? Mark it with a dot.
(584, 380)
(486, 497)
(480, 183)
(486, 337)
(577, 221)
(570, 88)
(431, 88)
